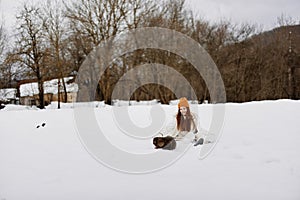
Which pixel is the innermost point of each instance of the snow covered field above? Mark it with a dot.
(257, 157)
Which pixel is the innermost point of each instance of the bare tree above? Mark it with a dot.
(286, 20)
(97, 20)
(54, 24)
(3, 39)
(138, 11)
(31, 45)
(2, 47)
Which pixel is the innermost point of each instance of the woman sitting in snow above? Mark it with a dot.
(186, 122)
(185, 126)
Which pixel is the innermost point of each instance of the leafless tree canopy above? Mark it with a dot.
(3, 39)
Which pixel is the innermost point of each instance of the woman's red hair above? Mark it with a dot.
(184, 124)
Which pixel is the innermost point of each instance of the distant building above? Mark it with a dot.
(29, 93)
(9, 96)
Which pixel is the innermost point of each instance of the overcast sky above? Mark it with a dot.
(261, 12)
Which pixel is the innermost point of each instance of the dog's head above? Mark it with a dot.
(159, 142)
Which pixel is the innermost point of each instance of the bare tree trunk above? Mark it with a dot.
(41, 90)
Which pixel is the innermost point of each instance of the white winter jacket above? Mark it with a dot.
(171, 129)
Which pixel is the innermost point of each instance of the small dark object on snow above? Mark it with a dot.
(199, 142)
(167, 143)
(43, 125)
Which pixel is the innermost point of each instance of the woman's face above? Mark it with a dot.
(183, 110)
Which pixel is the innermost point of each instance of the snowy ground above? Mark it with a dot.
(257, 157)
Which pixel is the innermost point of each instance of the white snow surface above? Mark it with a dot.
(256, 157)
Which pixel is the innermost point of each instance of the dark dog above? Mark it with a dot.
(167, 143)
